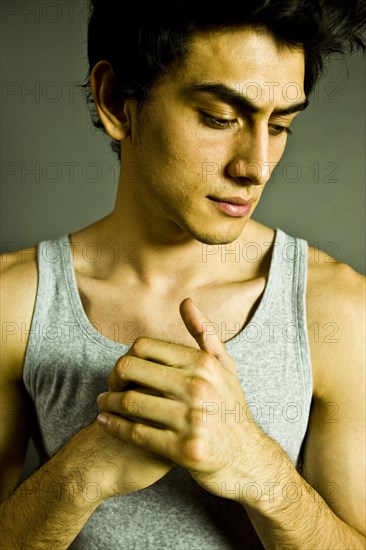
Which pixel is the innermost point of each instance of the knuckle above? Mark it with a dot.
(122, 365)
(194, 417)
(136, 433)
(118, 372)
(113, 426)
(140, 344)
(194, 451)
(198, 387)
(207, 361)
(127, 402)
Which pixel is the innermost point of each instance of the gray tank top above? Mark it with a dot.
(66, 367)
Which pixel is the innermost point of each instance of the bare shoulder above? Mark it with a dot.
(332, 284)
(336, 296)
(18, 294)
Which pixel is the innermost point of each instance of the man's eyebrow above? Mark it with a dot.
(228, 95)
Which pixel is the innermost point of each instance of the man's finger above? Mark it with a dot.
(197, 324)
(139, 373)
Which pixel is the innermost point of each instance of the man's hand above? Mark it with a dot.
(195, 417)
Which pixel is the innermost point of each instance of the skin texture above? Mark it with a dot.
(174, 158)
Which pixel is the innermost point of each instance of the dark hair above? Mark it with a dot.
(142, 41)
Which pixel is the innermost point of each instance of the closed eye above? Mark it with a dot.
(218, 123)
(224, 123)
(276, 130)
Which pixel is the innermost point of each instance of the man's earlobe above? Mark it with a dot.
(110, 107)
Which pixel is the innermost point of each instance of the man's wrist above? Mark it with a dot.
(80, 475)
(270, 481)
(68, 483)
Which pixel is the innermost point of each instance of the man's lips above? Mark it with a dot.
(235, 207)
(233, 200)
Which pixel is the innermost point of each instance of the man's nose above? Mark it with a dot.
(250, 164)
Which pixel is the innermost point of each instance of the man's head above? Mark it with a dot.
(208, 136)
(142, 42)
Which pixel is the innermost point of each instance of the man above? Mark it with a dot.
(203, 440)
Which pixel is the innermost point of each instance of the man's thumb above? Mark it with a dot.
(197, 325)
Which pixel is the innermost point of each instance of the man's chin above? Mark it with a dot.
(213, 234)
(217, 241)
(218, 238)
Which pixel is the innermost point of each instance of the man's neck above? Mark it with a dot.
(161, 266)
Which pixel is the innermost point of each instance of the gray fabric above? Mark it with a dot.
(67, 364)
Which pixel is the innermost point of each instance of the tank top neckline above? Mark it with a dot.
(94, 335)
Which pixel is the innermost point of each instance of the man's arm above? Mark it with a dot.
(329, 514)
(50, 508)
(18, 290)
(334, 450)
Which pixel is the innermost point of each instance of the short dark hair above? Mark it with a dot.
(142, 41)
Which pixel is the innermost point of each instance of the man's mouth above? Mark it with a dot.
(237, 207)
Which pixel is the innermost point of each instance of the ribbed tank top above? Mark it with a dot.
(66, 367)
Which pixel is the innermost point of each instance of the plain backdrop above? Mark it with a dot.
(58, 174)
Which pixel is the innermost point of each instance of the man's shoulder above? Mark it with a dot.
(333, 286)
(336, 295)
(18, 271)
(18, 291)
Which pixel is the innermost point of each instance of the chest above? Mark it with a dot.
(124, 316)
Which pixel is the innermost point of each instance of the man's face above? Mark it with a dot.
(211, 133)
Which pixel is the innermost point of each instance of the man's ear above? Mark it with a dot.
(111, 109)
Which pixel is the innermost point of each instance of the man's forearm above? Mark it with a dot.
(48, 510)
(292, 515)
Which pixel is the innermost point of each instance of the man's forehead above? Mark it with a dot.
(244, 41)
(248, 62)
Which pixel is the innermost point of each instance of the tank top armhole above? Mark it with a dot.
(300, 306)
(34, 338)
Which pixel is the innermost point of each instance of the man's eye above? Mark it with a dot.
(276, 130)
(218, 123)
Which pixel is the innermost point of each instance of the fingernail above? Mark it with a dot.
(100, 397)
(102, 419)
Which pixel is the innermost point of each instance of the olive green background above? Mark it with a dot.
(59, 174)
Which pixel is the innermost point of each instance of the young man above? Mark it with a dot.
(203, 440)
